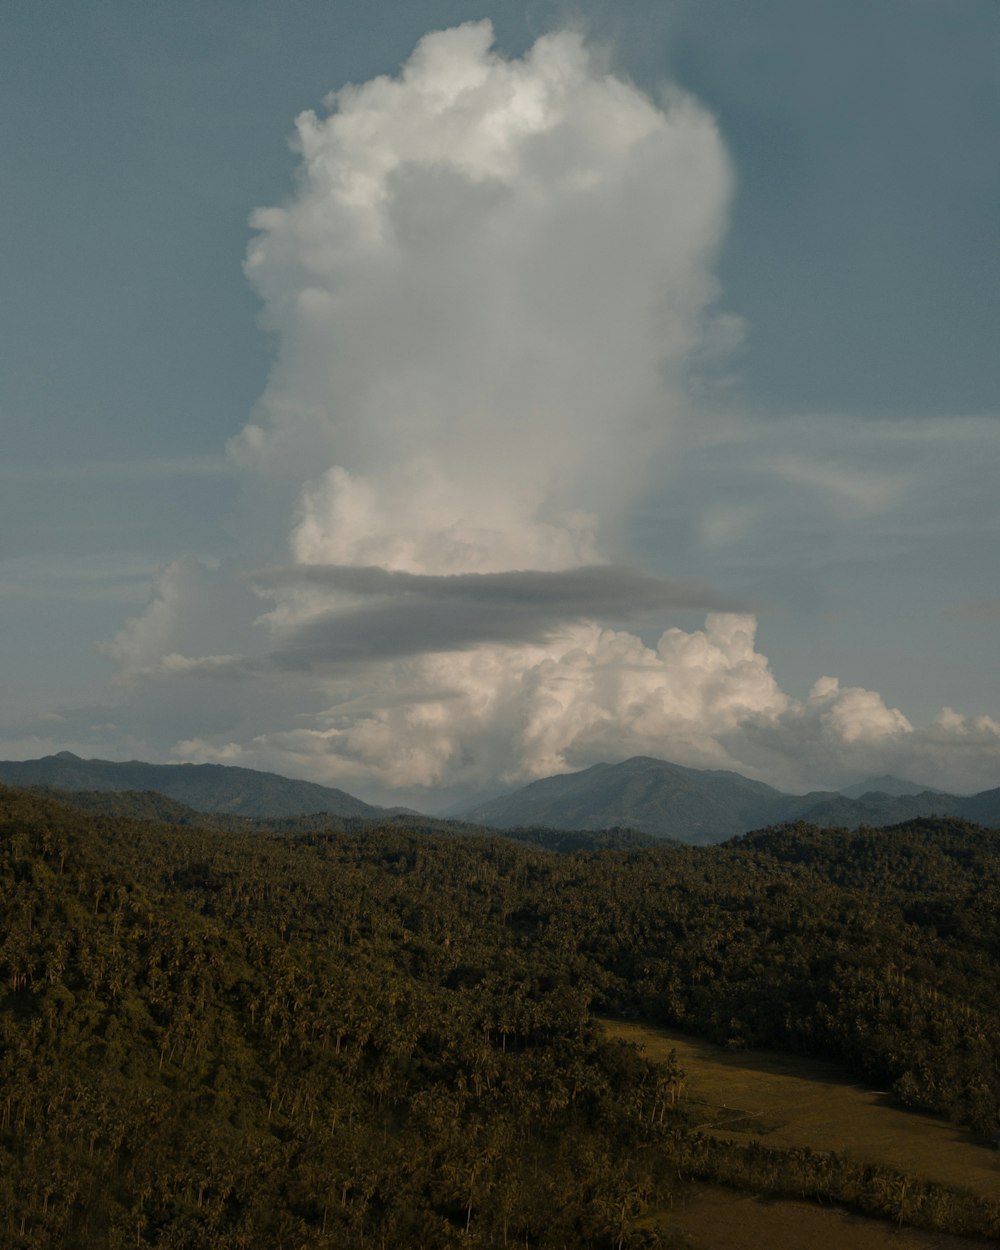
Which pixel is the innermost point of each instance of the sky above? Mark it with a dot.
(426, 397)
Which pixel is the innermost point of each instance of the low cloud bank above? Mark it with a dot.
(491, 715)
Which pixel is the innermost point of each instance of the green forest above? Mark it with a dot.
(382, 1036)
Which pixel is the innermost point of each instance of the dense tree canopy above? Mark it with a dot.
(381, 1037)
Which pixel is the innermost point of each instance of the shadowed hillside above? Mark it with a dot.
(204, 787)
(707, 805)
(236, 1039)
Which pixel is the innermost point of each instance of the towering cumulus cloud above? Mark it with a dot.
(486, 292)
(483, 291)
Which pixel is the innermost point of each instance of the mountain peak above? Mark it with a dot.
(897, 787)
(709, 805)
(204, 787)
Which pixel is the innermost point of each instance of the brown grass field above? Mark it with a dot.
(787, 1101)
(722, 1219)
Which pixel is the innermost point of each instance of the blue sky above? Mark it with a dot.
(828, 451)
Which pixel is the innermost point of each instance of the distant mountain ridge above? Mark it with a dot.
(895, 786)
(707, 805)
(644, 795)
(220, 788)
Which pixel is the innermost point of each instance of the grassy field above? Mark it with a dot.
(787, 1101)
(722, 1219)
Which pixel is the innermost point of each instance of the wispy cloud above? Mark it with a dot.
(120, 470)
(113, 577)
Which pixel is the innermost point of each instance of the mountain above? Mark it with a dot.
(205, 787)
(707, 805)
(877, 809)
(983, 808)
(885, 784)
(653, 796)
(640, 795)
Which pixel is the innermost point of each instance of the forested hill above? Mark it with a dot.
(148, 805)
(229, 1039)
(708, 805)
(204, 787)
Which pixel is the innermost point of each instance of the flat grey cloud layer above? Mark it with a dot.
(424, 612)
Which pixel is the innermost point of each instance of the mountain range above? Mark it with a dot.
(218, 788)
(646, 795)
(709, 805)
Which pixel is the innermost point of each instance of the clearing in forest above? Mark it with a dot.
(728, 1220)
(786, 1101)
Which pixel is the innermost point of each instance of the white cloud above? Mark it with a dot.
(488, 293)
(464, 722)
(501, 714)
(193, 609)
(853, 714)
(485, 291)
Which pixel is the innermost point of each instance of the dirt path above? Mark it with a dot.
(784, 1100)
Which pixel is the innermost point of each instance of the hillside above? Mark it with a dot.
(384, 1038)
(706, 805)
(636, 799)
(649, 795)
(204, 787)
(150, 807)
(884, 809)
(883, 784)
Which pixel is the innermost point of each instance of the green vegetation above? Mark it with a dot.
(385, 1038)
(815, 1121)
(148, 805)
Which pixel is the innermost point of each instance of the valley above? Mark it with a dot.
(709, 1217)
(793, 1103)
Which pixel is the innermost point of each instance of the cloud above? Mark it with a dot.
(500, 713)
(419, 613)
(840, 734)
(198, 620)
(853, 489)
(490, 292)
(492, 716)
(120, 470)
(599, 587)
(486, 290)
(114, 577)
